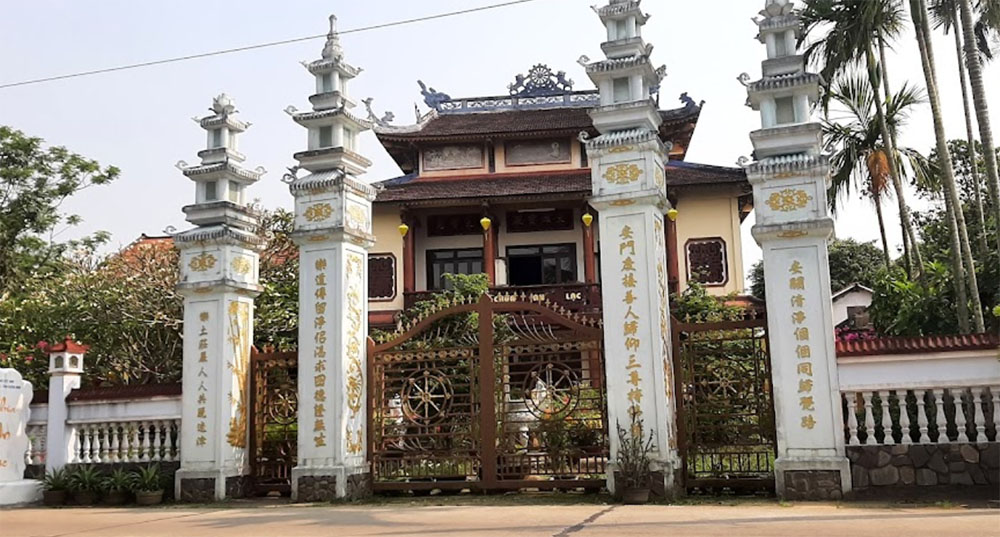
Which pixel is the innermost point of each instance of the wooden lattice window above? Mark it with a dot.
(706, 261)
(381, 277)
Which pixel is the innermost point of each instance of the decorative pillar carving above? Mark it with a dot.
(790, 178)
(628, 160)
(333, 228)
(219, 264)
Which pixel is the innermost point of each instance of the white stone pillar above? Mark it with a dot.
(631, 198)
(793, 229)
(65, 370)
(333, 231)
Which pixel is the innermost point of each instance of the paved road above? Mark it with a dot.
(520, 521)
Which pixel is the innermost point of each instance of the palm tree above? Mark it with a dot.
(855, 28)
(944, 14)
(859, 156)
(975, 66)
(961, 250)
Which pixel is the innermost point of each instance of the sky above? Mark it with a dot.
(140, 120)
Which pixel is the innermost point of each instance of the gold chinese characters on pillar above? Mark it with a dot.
(803, 351)
(319, 353)
(202, 409)
(239, 338)
(355, 348)
(630, 322)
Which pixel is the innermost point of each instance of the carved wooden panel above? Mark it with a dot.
(557, 220)
(381, 277)
(706, 261)
(528, 152)
(447, 225)
(453, 157)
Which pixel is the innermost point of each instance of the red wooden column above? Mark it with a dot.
(409, 256)
(673, 265)
(589, 255)
(489, 249)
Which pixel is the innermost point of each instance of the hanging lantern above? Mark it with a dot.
(403, 230)
(486, 223)
(588, 219)
(672, 215)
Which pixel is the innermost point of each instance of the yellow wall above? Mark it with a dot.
(385, 225)
(710, 214)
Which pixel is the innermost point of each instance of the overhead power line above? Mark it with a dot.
(260, 45)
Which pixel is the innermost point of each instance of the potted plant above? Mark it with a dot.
(85, 483)
(632, 473)
(117, 487)
(54, 487)
(148, 485)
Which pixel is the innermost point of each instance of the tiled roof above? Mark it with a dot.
(917, 345)
(689, 174)
(137, 391)
(411, 189)
(527, 123)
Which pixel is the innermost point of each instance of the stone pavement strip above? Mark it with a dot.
(807, 520)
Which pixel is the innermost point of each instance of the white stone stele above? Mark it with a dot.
(15, 411)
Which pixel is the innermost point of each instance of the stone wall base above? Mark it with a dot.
(329, 484)
(196, 486)
(812, 480)
(909, 469)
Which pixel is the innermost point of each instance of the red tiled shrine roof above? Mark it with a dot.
(916, 345)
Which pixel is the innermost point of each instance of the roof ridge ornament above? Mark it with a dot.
(432, 97)
(541, 82)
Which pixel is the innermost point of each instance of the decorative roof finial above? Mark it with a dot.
(333, 50)
(775, 8)
(223, 105)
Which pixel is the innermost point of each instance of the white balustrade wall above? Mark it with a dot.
(922, 416)
(921, 398)
(115, 430)
(125, 441)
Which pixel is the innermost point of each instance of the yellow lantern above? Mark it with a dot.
(672, 215)
(588, 219)
(486, 223)
(403, 230)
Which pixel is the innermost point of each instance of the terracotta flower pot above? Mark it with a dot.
(85, 497)
(116, 497)
(149, 498)
(53, 498)
(635, 496)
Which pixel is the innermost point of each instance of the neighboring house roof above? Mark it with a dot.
(917, 345)
(852, 288)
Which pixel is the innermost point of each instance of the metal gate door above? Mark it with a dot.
(495, 394)
(274, 422)
(726, 407)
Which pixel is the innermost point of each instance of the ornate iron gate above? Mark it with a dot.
(725, 404)
(274, 420)
(495, 394)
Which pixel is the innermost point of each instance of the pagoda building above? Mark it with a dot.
(502, 185)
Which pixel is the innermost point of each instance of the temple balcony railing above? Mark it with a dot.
(575, 297)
